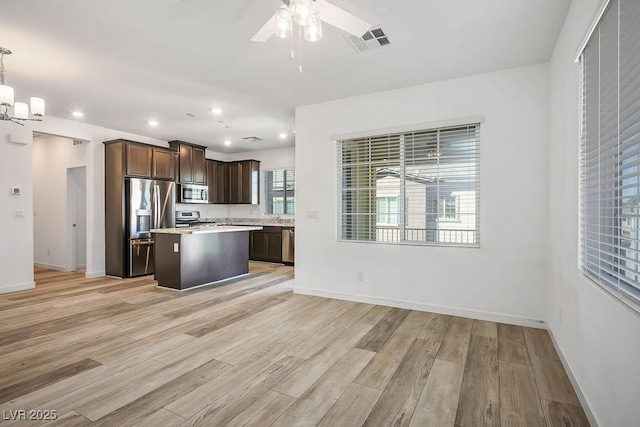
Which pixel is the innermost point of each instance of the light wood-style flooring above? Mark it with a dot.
(116, 352)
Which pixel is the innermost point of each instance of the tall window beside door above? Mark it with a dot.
(418, 187)
(279, 192)
(610, 152)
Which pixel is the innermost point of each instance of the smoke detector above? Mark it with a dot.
(375, 38)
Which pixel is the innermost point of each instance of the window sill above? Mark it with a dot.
(629, 303)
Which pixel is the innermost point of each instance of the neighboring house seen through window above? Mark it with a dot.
(434, 171)
(279, 192)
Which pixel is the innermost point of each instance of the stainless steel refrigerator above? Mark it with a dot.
(149, 204)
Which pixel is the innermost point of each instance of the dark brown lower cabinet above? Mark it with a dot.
(266, 245)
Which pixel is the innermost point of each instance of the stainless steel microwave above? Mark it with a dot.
(191, 193)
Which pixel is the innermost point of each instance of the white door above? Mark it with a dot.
(77, 218)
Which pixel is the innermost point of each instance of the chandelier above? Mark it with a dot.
(304, 14)
(20, 109)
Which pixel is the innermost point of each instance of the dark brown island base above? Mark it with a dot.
(189, 257)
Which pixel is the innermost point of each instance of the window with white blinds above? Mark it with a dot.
(610, 152)
(279, 192)
(419, 187)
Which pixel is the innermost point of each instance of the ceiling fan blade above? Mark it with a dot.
(265, 32)
(341, 19)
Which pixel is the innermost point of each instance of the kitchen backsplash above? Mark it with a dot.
(264, 220)
(237, 214)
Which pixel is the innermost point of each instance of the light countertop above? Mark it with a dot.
(203, 230)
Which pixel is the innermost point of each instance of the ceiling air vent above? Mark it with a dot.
(252, 138)
(79, 142)
(375, 38)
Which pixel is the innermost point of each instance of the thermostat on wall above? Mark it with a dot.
(15, 191)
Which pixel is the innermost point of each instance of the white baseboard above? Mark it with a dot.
(53, 267)
(411, 305)
(576, 386)
(94, 274)
(18, 287)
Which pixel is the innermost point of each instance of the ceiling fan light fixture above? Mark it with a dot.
(283, 22)
(302, 11)
(313, 31)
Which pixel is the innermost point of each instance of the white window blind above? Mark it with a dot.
(610, 152)
(433, 175)
(279, 191)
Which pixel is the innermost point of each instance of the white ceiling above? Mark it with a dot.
(124, 62)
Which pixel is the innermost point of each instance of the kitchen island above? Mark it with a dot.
(186, 258)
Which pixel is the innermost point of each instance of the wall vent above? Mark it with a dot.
(375, 38)
(252, 138)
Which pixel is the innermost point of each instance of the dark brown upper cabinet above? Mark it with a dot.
(138, 159)
(163, 164)
(218, 181)
(192, 165)
(244, 182)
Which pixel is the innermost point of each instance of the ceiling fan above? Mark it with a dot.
(308, 14)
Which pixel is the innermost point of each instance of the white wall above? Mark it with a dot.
(16, 169)
(598, 335)
(52, 156)
(503, 280)
(16, 241)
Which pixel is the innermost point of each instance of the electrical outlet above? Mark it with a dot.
(360, 276)
(48, 252)
(19, 213)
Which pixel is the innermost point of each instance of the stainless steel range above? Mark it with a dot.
(192, 219)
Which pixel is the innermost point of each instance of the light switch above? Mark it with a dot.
(175, 247)
(313, 214)
(19, 213)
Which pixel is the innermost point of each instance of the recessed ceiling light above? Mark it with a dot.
(227, 142)
(78, 114)
(152, 123)
(283, 135)
(216, 110)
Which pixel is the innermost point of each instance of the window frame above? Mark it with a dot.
(269, 193)
(608, 268)
(442, 215)
(474, 123)
(388, 213)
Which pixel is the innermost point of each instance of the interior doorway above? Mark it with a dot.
(59, 202)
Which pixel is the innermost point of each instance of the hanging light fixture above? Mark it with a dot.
(284, 22)
(313, 30)
(302, 11)
(304, 14)
(20, 109)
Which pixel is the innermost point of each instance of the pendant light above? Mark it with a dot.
(20, 109)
